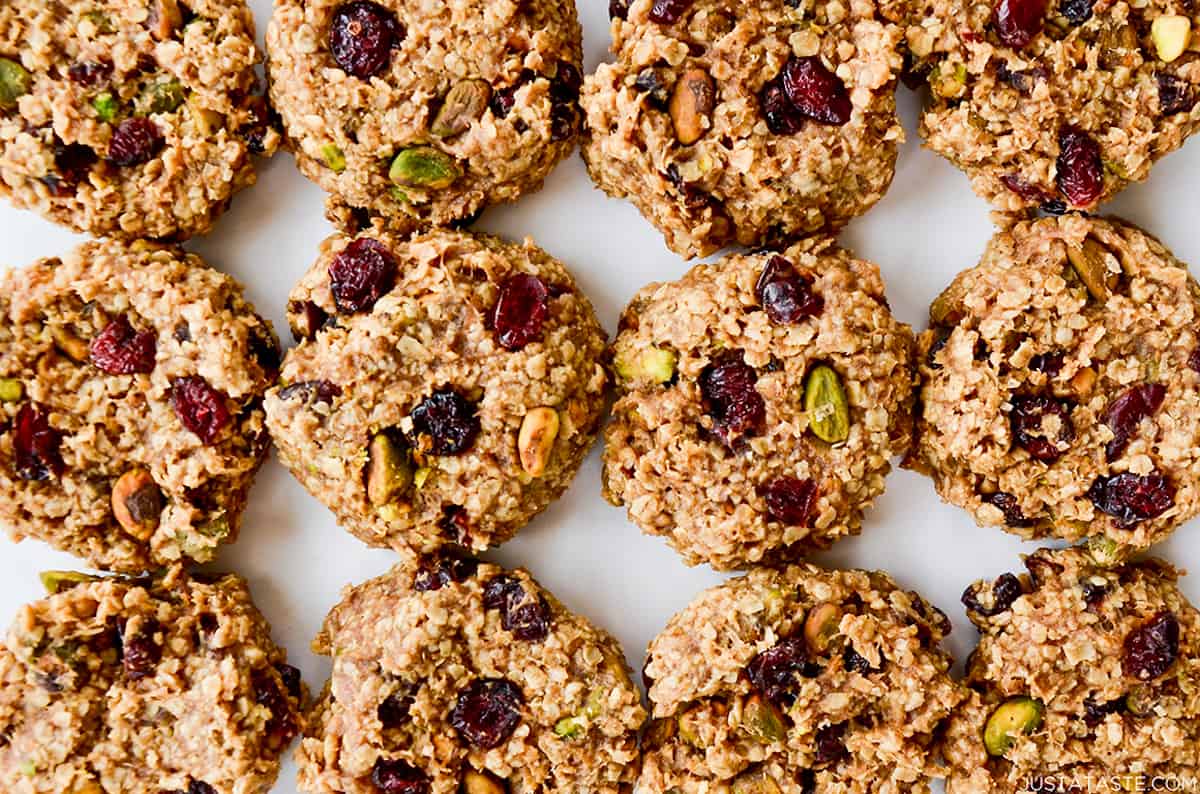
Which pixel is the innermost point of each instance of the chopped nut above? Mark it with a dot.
(14, 83)
(334, 157)
(946, 309)
(659, 732)
(424, 167)
(1104, 551)
(754, 782)
(389, 471)
(69, 344)
(1083, 381)
(1015, 717)
(1090, 261)
(762, 720)
(535, 441)
(57, 581)
(165, 18)
(107, 107)
(1171, 34)
(949, 82)
(656, 364)
(692, 102)
(481, 783)
(826, 405)
(137, 503)
(161, 97)
(821, 626)
(11, 390)
(1140, 701)
(464, 104)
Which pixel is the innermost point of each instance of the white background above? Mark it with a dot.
(929, 227)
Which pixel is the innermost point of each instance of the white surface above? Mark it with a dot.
(928, 228)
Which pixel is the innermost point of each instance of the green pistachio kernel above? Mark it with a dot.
(1012, 718)
(107, 106)
(14, 83)
(424, 167)
(334, 157)
(826, 405)
(11, 390)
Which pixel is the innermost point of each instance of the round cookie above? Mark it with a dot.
(798, 680)
(144, 686)
(760, 400)
(401, 110)
(456, 675)
(129, 118)
(1082, 673)
(131, 382)
(445, 389)
(1061, 385)
(746, 124)
(1055, 106)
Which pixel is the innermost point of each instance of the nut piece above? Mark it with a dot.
(165, 18)
(162, 97)
(388, 470)
(14, 83)
(949, 82)
(11, 390)
(535, 441)
(1171, 34)
(463, 105)
(762, 720)
(1091, 263)
(334, 157)
(481, 783)
(826, 405)
(137, 503)
(656, 364)
(424, 167)
(57, 581)
(692, 102)
(107, 107)
(1140, 701)
(754, 782)
(1083, 381)
(821, 626)
(1105, 551)
(71, 345)
(1014, 717)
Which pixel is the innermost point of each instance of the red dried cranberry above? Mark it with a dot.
(436, 574)
(524, 614)
(668, 12)
(1094, 713)
(134, 141)
(141, 651)
(831, 744)
(199, 406)
(731, 399)
(782, 116)
(313, 319)
(1029, 192)
(1076, 11)
(1080, 169)
(35, 444)
(566, 83)
(447, 420)
(815, 91)
(1008, 504)
(89, 73)
(361, 274)
(396, 709)
(290, 676)
(855, 662)
(455, 523)
(1127, 412)
(1049, 363)
(503, 99)
(120, 350)
(393, 776)
(1193, 361)
(521, 310)
(1151, 648)
(1132, 498)
(488, 712)
(786, 296)
(775, 671)
(312, 391)
(1174, 95)
(362, 36)
(1028, 417)
(281, 727)
(618, 9)
(1005, 591)
(72, 164)
(1018, 21)
(790, 501)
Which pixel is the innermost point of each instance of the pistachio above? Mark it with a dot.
(570, 727)
(1171, 34)
(659, 732)
(101, 21)
(163, 96)
(821, 626)
(164, 19)
(1090, 261)
(1118, 46)
(463, 105)
(656, 364)
(1104, 551)
(69, 344)
(692, 103)
(14, 83)
(689, 729)
(481, 783)
(424, 167)
(107, 106)
(948, 82)
(137, 503)
(57, 581)
(1014, 717)
(946, 309)
(535, 441)
(754, 782)
(762, 720)
(826, 405)
(389, 471)
(334, 157)
(421, 476)
(216, 527)
(11, 390)
(1140, 701)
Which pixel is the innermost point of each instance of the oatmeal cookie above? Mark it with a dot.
(760, 400)
(144, 686)
(445, 389)
(430, 112)
(1058, 105)
(1083, 672)
(131, 382)
(455, 675)
(130, 118)
(1061, 385)
(746, 123)
(798, 680)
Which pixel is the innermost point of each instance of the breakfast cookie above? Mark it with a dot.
(1055, 106)
(144, 686)
(130, 118)
(131, 382)
(798, 680)
(1084, 673)
(759, 402)
(1061, 385)
(453, 675)
(746, 123)
(429, 111)
(445, 389)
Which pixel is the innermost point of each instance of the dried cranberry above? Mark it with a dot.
(1193, 361)
(1042, 569)
(72, 164)
(694, 199)
(134, 141)
(361, 274)
(35, 444)
(815, 91)
(142, 652)
(199, 406)
(524, 614)
(282, 725)
(618, 9)
(1053, 207)
(312, 391)
(1021, 80)
(731, 399)
(436, 574)
(1008, 504)
(1093, 592)
(1132, 498)
(362, 36)
(312, 319)
(1076, 11)
(782, 116)
(1018, 21)
(775, 671)
(200, 787)
(1151, 648)
(855, 662)
(785, 295)
(650, 82)
(1028, 417)
(566, 83)
(120, 350)
(1048, 363)
(831, 744)
(264, 349)
(1005, 591)
(790, 501)
(447, 420)
(1080, 169)
(1127, 412)
(1174, 95)
(668, 12)
(455, 523)
(1029, 192)
(503, 99)
(290, 676)
(488, 712)
(521, 310)
(1094, 713)
(396, 709)
(89, 73)
(393, 776)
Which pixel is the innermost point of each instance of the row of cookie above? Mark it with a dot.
(453, 675)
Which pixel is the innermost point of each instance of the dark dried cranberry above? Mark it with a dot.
(784, 294)
(311, 391)
(831, 744)
(782, 116)
(199, 406)
(447, 420)
(1093, 592)
(488, 712)
(1094, 713)
(564, 122)
(521, 310)
(282, 726)
(1022, 80)
(89, 73)
(1132, 498)
(362, 36)
(455, 524)
(120, 350)
(855, 662)
(182, 333)
(1005, 591)
(668, 12)
(694, 199)
(1151, 648)
(1028, 418)
(72, 164)
(200, 787)
(790, 501)
(1008, 504)
(393, 776)
(35, 444)
(436, 574)
(361, 274)
(1127, 412)
(1053, 207)
(618, 9)
(524, 614)
(141, 651)
(1193, 361)
(134, 141)
(731, 399)
(807, 777)
(775, 671)
(1174, 95)
(1042, 569)
(503, 99)
(1076, 11)
(1018, 21)
(290, 676)
(1049, 363)
(566, 83)
(1080, 169)
(650, 82)
(264, 349)
(1029, 192)
(396, 709)
(815, 91)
